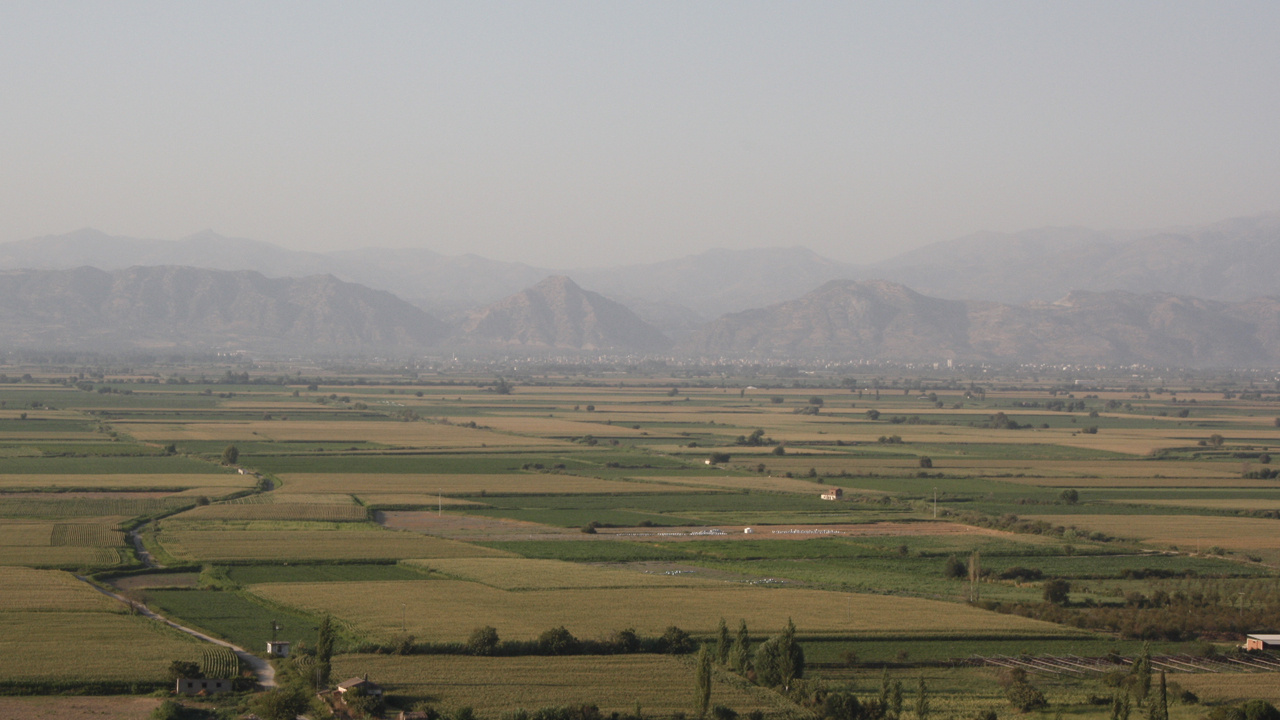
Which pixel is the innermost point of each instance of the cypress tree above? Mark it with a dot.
(702, 680)
(723, 644)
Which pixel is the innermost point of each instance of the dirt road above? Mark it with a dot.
(261, 668)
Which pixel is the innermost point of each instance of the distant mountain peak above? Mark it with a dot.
(557, 313)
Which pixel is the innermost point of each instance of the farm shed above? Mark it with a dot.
(278, 648)
(1261, 642)
(363, 683)
(205, 686)
(833, 494)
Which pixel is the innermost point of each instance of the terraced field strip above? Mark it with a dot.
(1244, 503)
(67, 505)
(658, 684)
(124, 481)
(533, 483)
(527, 574)
(719, 480)
(447, 610)
(339, 544)
(398, 434)
(1185, 531)
(328, 512)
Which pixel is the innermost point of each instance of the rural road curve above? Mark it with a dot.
(261, 668)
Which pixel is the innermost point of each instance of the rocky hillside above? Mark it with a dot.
(189, 308)
(556, 313)
(887, 321)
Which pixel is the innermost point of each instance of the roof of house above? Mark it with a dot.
(1266, 638)
(356, 682)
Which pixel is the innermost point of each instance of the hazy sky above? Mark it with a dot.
(598, 132)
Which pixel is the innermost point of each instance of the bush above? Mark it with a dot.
(626, 641)
(1025, 697)
(1021, 573)
(179, 669)
(1260, 710)
(676, 641)
(720, 712)
(954, 569)
(483, 641)
(1057, 592)
(167, 710)
(558, 641)
(281, 704)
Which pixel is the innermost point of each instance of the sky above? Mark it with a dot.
(594, 133)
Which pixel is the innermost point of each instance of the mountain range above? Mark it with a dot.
(1192, 296)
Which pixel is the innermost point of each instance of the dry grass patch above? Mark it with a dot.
(361, 543)
(427, 484)
(660, 685)
(447, 610)
(526, 574)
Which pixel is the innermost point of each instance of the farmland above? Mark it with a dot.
(44, 614)
(413, 513)
(447, 610)
(657, 684)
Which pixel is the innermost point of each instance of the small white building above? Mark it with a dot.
(833, 494)
(747, 531)
(278, 648)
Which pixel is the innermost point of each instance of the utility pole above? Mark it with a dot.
(935, 503)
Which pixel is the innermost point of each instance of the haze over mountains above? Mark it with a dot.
(1046, 295)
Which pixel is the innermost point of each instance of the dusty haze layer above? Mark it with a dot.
(568, 134)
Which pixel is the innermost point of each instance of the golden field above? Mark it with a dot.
(447, 610)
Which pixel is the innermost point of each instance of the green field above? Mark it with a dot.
(231, 616)
(527, 512)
